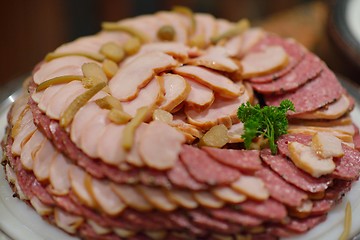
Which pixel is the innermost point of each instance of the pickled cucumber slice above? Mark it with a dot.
(110, 68)
(112, 51)
(217, 137)
(198, 41)
(109, 102)
(130, 128)
(58, 80)
(132, 46)
(118, 116)
(239, 28)
(166, 33)
(94, 56)
(111, 26)
(162, 115)
(94, 71)
(68, 115)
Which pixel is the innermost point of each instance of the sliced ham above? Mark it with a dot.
(317, 93)
(249, 39)
(43, 159)
(178, 23)
(235, 132)
(30, 148)
(223, 25)
(222, 111)
(294, 50)
(47, 95)
(260, 63)
(280, 190)
(157, 198)
(127, 82)
(216, 58)
(133, 156)
(151, 96)
(22, 137)
(211, 79)
(70, 65)
(205, 169)
(77, 181)
(177, 90)
(233, 46)
(59, 175)
(244, 160)
(305, 71)
(205, 26)
(182, 198)
(131, 197)
(288, 171)
(330, 111)
(109, 147)
(200, 97)
(160, 153)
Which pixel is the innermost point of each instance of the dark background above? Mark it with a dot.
(32, 28)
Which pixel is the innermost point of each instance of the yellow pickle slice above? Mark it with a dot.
(130, 128)
(110, 26)
(94, 56)
(239, 28)
(58, 80)
(217, 137)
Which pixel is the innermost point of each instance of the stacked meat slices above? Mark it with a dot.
(82, 179)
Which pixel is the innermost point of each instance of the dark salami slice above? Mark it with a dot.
(205, 169)
(338, 189)
(304, 225)
(288, 171)
(294, 50)
(183, 222)
(284, 140)
(321, 207)
(315, 94)
(306, 70)
(356, 138)
(236, 216)
(179, 176)
(348, 166)
(280, 190)
(268, 209)
(245, 160)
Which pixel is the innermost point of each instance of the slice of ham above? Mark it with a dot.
(178, 23)
(233, 46)
(133, 156)
(222, 111)
(70, 65)
(317, 93)
(152, 95)
(236, 216)
(305, 71)
(271, 59)
(177, 90)
(205, 26)
(30, 148)
(294, 50)
(43, 159)
(63, 98)
(77, 181)
(208, 200)
(59, 175)
(330, 111)
(160, 153)
(227, 194)
(235, 132)
(205, 169)
(157, 198)
(183, 198)
(26, 131)
(47, 95)
(222, 25)
(127, 82)
(211, 79)
(249, 39)
(200, 97)
(252, 187)
(280, 190)
(109, 147)
(104, 196)
(288, 171)
(216, 58)
(244, 160)
(67, 222)
(131, 197)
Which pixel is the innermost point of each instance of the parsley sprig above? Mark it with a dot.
(269, 121)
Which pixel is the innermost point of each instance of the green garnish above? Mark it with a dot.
(269, 121)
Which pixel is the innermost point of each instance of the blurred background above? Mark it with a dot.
(31, 29)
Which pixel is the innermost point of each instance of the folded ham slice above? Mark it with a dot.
(200, 97)
(177, 90)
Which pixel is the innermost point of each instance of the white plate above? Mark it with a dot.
(21, 222)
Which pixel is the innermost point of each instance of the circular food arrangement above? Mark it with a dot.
(178, 125)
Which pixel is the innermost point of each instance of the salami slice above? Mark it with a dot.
(236, 216)
(315, 94)
(245, 160)
(338, 189)
(303, 225)
(284, 140)
(290, 173)
(280, 190)
(321, 207)
(305, 71)
(268, 209)
(356, 138)
(205, 169)
(295, 51)
(348, 166)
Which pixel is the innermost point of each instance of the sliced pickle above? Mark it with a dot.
(110, 26)
(95, 56)
(94, 71)
(162, 115)
(239, 28)
(129, 130)
(68, 115)
(166, 33)
(132, 46)
(198, 41)
(58, 80)
(90, 82)
(109, 102)
(187, 12)
(119, 116)
(217, 137)
(110, 68)
(112, 51)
